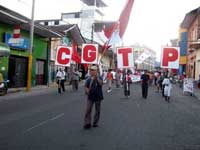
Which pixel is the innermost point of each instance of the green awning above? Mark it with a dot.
(4, 50)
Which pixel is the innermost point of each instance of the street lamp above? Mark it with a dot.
(30, 58)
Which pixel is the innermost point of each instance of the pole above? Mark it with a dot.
(30, 57)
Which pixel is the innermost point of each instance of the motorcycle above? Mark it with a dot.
(3, 87)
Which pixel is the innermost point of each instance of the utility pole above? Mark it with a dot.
(30, 57)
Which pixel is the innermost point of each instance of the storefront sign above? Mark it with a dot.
(18, 43)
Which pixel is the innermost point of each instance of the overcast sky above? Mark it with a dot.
(152, 22)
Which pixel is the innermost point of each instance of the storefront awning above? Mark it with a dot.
(13, 18)
(73, 29)
(4, 50)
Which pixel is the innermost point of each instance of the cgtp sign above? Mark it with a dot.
(89, 54)
(63, 56)
(170, 57)
(125, 57)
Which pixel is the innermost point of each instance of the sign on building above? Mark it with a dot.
(170, 57)
(63, 56)
(125, 57)
(89, 54)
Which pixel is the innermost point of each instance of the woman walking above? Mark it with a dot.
(167, 88)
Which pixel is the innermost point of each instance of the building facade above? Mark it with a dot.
(183, 38)
(192, 23)
(15, 66)
(149, 62)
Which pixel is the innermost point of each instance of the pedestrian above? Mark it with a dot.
(75, 79)
(167, 88)
(144, 84)
(127, 81)
(110, 80)
(156, 76)
(117, 78)
(60, 77)
(104, 75)
(93, 88)
(159, 82)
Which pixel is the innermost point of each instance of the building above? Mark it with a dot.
(14, 36)
(182, 42)
(148, 63)
(191, 22)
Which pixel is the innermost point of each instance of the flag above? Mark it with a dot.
(143, 57)
(118, 27)
(124, 17)
(75, 54)
(122, 22)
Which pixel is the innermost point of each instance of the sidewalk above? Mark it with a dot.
(197, 93)
(14, 93)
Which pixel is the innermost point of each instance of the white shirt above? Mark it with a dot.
(60, 75)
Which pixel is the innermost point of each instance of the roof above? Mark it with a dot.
(99, 3)
(190, 17)
(73, 29)
(8, 16)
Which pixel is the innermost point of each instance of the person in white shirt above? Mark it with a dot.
(60, 76)
(167, 88)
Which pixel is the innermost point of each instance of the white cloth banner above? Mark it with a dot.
(188, 85)
(143, 57)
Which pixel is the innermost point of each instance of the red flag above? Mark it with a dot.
(121, 25)
(122, 21)
(124, 17)
(75, 54)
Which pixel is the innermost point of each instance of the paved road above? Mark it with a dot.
(50, 121)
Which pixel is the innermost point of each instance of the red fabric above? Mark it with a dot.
(122, 21)
(17, 27)
(121, 24)
(85, 66)
(75, 54)
(110, 76)
(124, 17)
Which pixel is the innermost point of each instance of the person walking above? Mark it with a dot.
(93, 88)
(127, 81)
(144, 84)
(117, 78)
(167, 88)
(110, 79)
(75, 80)
(60, 78)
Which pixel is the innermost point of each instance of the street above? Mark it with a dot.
(52, 121)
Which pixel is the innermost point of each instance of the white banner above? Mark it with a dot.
(63, 56)
(143, 57)
(125, 57)
(170, 57)
(188, 85)
(89, 54)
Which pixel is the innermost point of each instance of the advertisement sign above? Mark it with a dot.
(125, 57)
(63, 56)
(18, 43)
(170, 57)
(89, 54)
